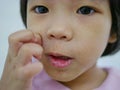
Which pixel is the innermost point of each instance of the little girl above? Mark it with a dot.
(61, 46)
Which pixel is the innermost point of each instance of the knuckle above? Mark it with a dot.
(39, 51)
(32, 48)
(11, 38)
(25, 48)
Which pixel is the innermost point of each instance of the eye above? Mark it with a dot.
(41, 9)
(85, 10)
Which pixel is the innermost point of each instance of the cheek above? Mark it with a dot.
(37, 23)
(93, 32)
(91, 39)
(90, 49)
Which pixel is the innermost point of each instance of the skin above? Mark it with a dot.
(84, 39)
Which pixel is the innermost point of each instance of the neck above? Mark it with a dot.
(90, 80)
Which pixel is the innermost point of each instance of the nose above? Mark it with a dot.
(60, 32)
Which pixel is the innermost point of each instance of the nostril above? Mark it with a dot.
(63, 37)
(52, 36)
(57, 36)
(62, 34)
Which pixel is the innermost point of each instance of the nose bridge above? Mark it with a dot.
(61, 18)
(60, 24)
(60, 28)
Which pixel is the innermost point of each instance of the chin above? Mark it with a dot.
(64, 77)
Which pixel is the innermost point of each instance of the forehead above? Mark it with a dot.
(70, 1)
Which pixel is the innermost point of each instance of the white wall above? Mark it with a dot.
(10, 22)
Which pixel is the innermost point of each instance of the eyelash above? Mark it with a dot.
(84, 10)
(40, 9)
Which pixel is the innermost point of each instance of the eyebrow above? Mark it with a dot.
(98, 1)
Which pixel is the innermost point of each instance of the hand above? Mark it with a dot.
(19, 69)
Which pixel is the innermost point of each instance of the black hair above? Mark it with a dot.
(111, 48)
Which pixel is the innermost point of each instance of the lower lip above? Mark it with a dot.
(59, 63)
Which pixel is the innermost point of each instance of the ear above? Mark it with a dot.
(112, 38)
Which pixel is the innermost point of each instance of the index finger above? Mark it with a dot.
(17, 39)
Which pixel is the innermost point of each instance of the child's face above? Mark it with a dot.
(78, 29)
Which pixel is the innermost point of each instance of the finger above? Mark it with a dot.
(17, 39)
(38, 38)
(27, 51)
(27, 69)
(30, 70)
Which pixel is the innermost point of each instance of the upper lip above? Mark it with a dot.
(59, 55)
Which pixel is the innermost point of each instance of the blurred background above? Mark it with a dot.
(10, 21)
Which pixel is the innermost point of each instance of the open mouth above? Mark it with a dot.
(59, 61)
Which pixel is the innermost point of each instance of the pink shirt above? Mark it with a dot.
(43, 82)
